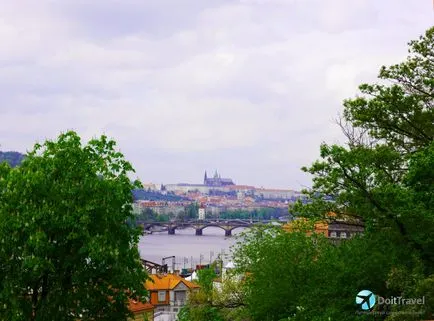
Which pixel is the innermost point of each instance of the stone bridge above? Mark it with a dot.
(199, 225)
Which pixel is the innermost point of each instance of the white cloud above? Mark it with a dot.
(216, 80)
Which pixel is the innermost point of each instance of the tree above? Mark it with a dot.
(192, 211)
(277, 265)
(384, 175)
(200, 313)
(147, 214)
(66, 251)
(390, 135)
(199, 306)
(211, 304)
(205, 279)
(303, 278)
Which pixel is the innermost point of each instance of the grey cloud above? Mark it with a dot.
(189, 168)
(109, 19)
(248, 87)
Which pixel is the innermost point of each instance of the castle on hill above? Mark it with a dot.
(226, 185)
(216, 180)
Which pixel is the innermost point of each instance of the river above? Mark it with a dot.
(188, 248)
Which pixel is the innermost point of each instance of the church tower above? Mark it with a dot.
(205, 179)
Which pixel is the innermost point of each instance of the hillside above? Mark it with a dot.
(141, 194)
(13, 158)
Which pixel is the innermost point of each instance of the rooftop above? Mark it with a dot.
(167, 282)
(137, 307)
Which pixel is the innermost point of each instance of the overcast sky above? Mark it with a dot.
(248, 87)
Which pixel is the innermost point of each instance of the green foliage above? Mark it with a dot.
(199, 308)
(192, 211)
(200, 313)
(163, 217)
(230, 298)
(384, 176)
(205, 279)
(146, 214)
(308, 278)
(224, 304)
(66, 251)
(148, 195)
(277, 264)
(385, 173)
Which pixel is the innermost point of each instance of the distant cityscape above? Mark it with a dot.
(215, 195)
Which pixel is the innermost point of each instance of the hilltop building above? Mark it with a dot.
(217, 180)
(226, 188)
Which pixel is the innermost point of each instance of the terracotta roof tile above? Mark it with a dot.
(167, 282)
(137, 307)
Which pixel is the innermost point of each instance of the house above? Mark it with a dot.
(141, 311)
(333, 227)
(169, 292)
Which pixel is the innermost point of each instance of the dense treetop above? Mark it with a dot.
(66, 250)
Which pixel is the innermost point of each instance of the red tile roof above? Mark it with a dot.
(137, 307)
(167, 282)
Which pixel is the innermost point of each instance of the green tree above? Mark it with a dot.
(384, 174)
(229, 298)
(163, 217)
(206, 278)
(66, 251)
(211, 304)
(199, 313)
(147, 214)
(192, 211)
(390, 132)
(277, 265)
(301, 277)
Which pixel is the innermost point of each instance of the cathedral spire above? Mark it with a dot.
(205, 178)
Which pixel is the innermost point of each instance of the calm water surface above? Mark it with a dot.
(187, 247)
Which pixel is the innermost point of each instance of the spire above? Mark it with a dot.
(205, 178)
(216, 175)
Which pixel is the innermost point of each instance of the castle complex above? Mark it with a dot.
(217, 181)
(226, 185)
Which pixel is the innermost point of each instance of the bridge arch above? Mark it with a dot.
(228, 225)
(228, 229)
(212, 225)
(148, 226)
(240, 226)
(171, 227)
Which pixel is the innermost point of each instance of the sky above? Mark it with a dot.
(248, 87)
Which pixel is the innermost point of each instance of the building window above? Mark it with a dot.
(333, 234)
(343, 235)
(161, 296)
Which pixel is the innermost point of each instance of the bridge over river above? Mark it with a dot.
(199, 225)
